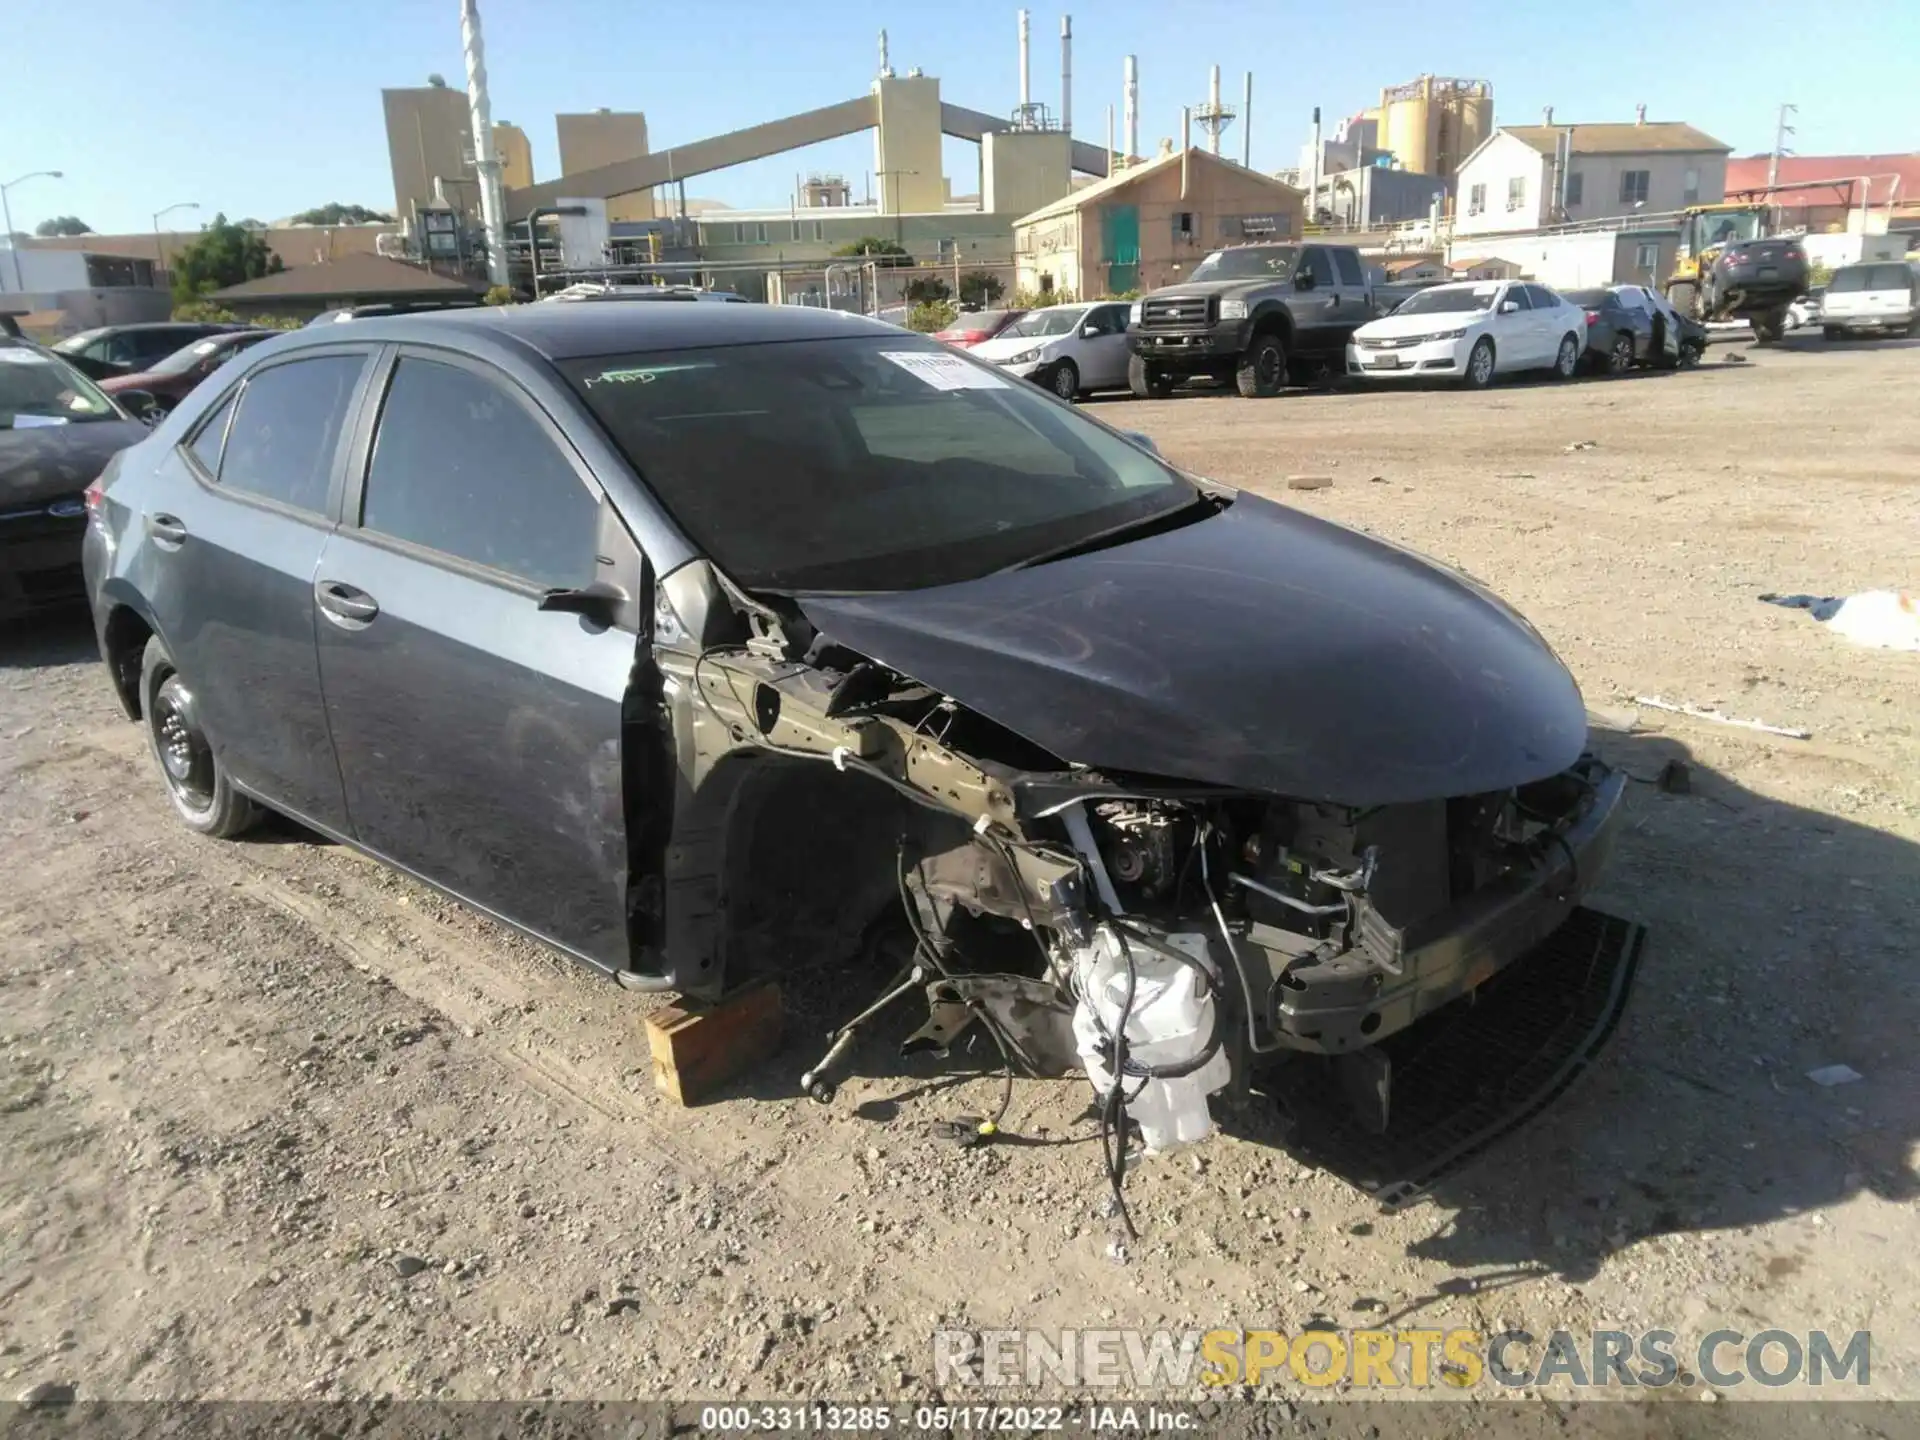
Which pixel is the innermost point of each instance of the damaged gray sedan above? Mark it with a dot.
(666, 632)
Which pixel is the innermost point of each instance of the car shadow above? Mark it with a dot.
(58, 637)
(1778, 944)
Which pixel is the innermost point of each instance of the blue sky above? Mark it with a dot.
(266, 107)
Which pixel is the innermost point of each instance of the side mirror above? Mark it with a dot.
(142, 405)
(1509, 307)
(1144, 441)
(1303, 281)
(598, 602)
(1089, 331)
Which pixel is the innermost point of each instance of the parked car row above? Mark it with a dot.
(1259, 316)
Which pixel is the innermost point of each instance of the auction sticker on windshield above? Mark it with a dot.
(945, 372)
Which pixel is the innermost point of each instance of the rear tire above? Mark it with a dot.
(1149, 382)
(196, 782)
(1831, 332)
(1480, 364)
(1767, 326)
(1065, 381)
(1620, 357)
(1262, 371)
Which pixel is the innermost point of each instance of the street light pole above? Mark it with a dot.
(6, 214)
(159, 248)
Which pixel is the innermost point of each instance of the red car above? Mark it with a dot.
(975, 326)
(170, 379)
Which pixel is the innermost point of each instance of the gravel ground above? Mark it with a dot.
(276, 1123)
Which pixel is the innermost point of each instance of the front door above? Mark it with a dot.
(1516, 338)
(233, 547)
(479, 735)
(1315, 302)
(1105, 351)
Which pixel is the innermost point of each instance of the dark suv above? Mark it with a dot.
(1250, 315)
(671, 633)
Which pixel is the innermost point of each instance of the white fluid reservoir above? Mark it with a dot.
(1169, 1024)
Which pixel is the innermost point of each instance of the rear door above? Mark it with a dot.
(231, 554)
(1553, 318)
(478, 734)
(1352, 305)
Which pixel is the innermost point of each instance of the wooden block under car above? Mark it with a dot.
(696, 1051)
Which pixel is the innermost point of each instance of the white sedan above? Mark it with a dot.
(1471, 331)
(1069, 349)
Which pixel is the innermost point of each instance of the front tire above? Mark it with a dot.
(1065, 381)
(1566, 363)
(1149, 382)
(1262, 371)
(197, 783)
(1832, 332)
(1480, 364)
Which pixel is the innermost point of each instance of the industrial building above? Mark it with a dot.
(1523, 177)
(1396, 161)
(1150, 224)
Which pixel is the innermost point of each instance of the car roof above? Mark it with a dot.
(563, 332)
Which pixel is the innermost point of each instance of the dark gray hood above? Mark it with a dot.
(45, 462)
(1261, 649)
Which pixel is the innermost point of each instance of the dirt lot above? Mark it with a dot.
(276, 1123)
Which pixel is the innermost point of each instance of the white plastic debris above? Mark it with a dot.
(1830, 1075)
(1881, 619)
(1169, 1023)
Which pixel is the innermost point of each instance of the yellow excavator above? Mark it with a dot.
(1731, 266)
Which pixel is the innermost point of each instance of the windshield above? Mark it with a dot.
(36, 389)
(1043, 322)
(871, 462)
(1730, 229)
(978, 320)
(188, 356)
(1450, 300)
(74, 344)
(1274, 262)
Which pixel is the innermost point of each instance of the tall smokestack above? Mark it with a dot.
(1066, 73)
(1026, 89)
(486, 164)
(1110, 165)
(1131, 97)
(1313, 171)
(1186, 144)
(1213, 108)
(1246, 123)
(886, 65)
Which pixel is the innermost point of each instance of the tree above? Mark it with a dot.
(883, 252)
(499, 295)
(927, 290)
(929, 317)
(334, 213)
(222, 254)
(980, 288)
(63, 225)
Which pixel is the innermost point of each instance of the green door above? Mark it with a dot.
(1120, 247)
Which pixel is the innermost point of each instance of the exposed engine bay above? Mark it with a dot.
(1162, 935)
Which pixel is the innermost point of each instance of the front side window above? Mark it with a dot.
(866, 462)
(1633, 186)
(1517, 294)
(461, 467)
(283, 437)
(1349, 267)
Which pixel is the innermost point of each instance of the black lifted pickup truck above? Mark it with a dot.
(1250, 314)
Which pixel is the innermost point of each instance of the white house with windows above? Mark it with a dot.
(1527, 177)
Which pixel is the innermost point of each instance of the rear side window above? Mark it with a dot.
(1349, 265)
(460, 466)
(281, 443)
(213, 433)
(1891, 277)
